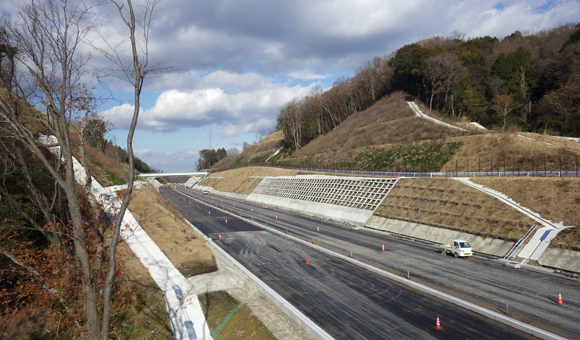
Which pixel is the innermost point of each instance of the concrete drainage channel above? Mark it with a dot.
(529, 329)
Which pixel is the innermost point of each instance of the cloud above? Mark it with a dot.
(239, 103)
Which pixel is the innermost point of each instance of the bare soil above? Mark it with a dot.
(233, 179)
(446, 203)
(172, 235)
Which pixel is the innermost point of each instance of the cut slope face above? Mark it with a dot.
(446, 203)
(389, 121)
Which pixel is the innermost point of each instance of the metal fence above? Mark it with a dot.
(546, 166)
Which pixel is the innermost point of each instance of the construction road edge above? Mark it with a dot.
(524, 327)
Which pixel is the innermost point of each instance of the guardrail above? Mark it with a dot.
(498, 173)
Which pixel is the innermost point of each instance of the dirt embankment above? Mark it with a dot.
(446, 203)
(240, 181)
(555, 198)
(173, 236)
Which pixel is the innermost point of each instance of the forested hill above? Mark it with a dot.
(518, 82)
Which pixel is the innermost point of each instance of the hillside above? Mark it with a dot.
(389, 137)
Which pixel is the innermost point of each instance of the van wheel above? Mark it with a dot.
(456, 255)
(443, 252)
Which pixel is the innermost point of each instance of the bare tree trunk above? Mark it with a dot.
(139, 71)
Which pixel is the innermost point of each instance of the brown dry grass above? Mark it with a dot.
(556, 199)
(168, 230)
(210, 181)
(389, 121)
(449, 204)
(272, 143)
(248, 185)
(99, 162)
(488, 151)
(233, 179)
(567, 239)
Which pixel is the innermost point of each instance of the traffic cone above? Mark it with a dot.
(255, 235)
(437, 324)
(317, 229)
(263, 207)
(234, 204)
(189, 203)
(209, 212)
(226, 221)
(307, 260)
(220, 237)
(221, 201)
(198, 207)
(383, 248)
(560, 299)
(251, 210)
(276, 216)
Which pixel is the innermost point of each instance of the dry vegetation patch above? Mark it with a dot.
(555, 198)
(511, 152)
(240, 324)
(210, 181)
(447, 203)
(233, 179)
(389, 121)
(172, 235)
(567, 239)
(272, 143)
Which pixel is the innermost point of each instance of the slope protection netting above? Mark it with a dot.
(356, 192)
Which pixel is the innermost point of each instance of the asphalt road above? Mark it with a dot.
(528, 296)
(345, 300)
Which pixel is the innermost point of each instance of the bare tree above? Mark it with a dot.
(133, 69)
(233, 152)
(48, 36)
(46, 70)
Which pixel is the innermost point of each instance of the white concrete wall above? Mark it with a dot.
(324, 210)
(485, 245)
(561, 258)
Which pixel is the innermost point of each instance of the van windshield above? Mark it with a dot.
(464, 245)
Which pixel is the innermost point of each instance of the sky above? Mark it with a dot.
(233, 64)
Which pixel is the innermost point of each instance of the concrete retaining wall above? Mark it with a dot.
(561, 258)
(485, 245)
(324, 210)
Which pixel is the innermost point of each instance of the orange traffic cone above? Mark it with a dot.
(234, 204)
(263, 207)
(209, 212)
(317, 229)
(251, 210)
(220, 237)
(226, 221)
(198, 207)
(221, 201)
(560, 299)
(307, 260)
(276, 216)
(383, 248)
(255, 235)
(437, 324)
(189, 203)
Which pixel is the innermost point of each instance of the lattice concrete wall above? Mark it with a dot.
(353, 192)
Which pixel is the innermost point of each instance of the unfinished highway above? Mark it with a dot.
(385, 307)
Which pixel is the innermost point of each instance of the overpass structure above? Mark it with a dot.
(171, 174)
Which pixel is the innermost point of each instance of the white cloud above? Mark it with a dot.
(240, 103)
